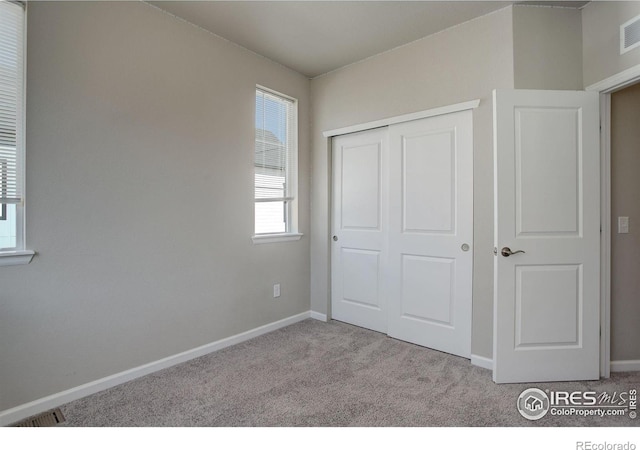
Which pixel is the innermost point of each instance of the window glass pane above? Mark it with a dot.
(271, 146)
(270, 217)
(12, 21)
(8, 229)
(11, 101)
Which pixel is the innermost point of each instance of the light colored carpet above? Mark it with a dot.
(326, 374)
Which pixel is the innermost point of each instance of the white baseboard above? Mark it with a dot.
(20, 412)
(616, 366)
(318, 316)
(481, 361)
(630, 365)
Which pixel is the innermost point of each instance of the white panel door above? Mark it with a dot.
(547, 205)
(358, 252)
(431, 232)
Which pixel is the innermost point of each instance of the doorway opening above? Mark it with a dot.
(624, 222)
(607, 88)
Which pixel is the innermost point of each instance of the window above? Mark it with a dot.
(12, 36)
(275, 165)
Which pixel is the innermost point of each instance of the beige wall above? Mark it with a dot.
(547, 44)
(601, 39)
(625, 201)
(462, 63)
(140, 133)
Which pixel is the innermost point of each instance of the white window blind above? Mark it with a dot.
(275, 162)
(11, 102)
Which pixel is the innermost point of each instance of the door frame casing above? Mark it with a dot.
(605, 88)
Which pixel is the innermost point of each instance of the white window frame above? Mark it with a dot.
(292, 233)
(19, 254)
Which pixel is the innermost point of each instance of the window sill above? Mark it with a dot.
(15, 258)
(280, 237)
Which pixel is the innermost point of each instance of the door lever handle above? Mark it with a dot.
(506, 251)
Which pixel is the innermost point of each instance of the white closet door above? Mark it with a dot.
(358, 253)
(431, 232)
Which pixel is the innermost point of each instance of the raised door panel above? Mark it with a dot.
(548, 157)
(360, 276)
(429, 182)
(360, 179)
(544, 288)
(428, 287)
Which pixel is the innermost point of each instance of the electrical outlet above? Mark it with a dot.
(276, 290)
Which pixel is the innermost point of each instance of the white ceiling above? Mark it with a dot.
(315, 37)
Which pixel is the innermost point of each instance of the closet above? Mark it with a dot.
(402, 230)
